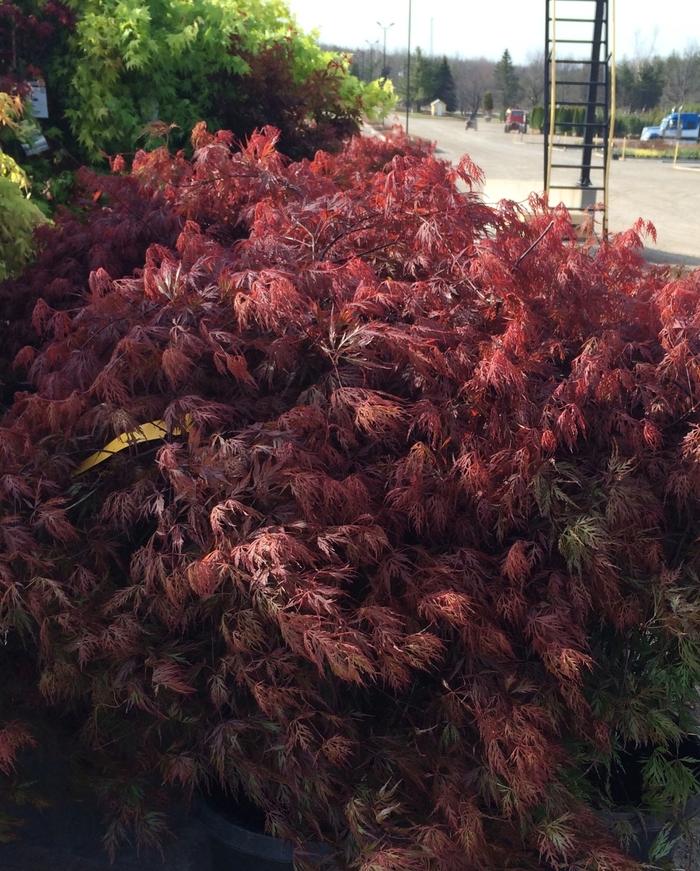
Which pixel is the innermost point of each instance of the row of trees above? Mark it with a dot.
(465, 84)
(433, 80)
(644, 82)
(431, 77)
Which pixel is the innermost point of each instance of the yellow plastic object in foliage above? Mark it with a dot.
(147, 432)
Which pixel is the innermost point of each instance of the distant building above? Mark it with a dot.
(438, 107)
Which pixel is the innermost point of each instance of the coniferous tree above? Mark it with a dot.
(445, 85)
(426, 78)
(650, 84)
(641, 85)
(507, 79)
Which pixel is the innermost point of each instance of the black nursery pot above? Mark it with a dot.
(644, 827)
(238, 842)
(235, 847)
(627, 793)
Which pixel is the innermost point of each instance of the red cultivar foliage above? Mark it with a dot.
(109, 227)
(310, 112)
(418, 452)
(27, 36)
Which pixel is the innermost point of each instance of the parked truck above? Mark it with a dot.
(669, 129)
(516, 119)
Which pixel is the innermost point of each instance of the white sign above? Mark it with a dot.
(37, 97)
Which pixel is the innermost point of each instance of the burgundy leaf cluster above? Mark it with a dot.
(419, 451)
(310, 112)
(26, 32)
(109, 226)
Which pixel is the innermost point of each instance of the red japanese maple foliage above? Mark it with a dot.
(310, 113)
(420, 454)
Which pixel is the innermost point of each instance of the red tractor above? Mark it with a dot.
(516, 119)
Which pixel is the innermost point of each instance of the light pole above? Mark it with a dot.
(385, 28)
(408, 68)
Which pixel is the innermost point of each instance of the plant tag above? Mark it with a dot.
(38, 99)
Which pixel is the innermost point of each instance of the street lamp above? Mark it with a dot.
(385, 28)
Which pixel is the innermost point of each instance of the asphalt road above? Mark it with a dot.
(513, 164)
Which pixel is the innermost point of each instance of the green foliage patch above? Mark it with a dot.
(132, 63)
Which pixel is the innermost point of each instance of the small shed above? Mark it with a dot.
(438, 107)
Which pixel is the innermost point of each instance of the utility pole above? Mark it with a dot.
(431, 36)
(385, 28)
(408, 68)
(371, 58)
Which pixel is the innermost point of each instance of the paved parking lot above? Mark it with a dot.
(651, 189)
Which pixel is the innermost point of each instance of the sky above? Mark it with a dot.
(487, 27)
